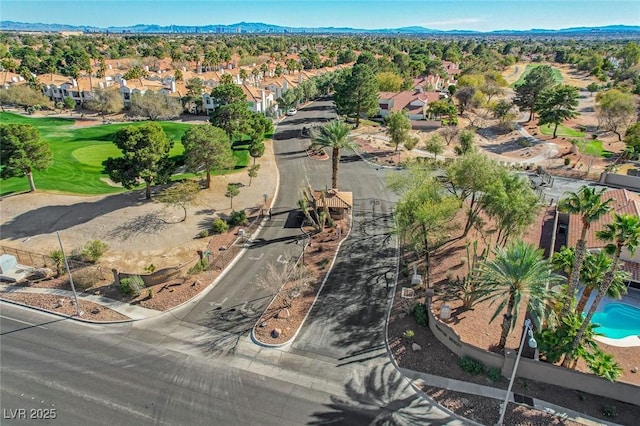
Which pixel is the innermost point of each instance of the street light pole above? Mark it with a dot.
(73, 287)
(528, 331)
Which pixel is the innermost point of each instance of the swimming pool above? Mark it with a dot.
(617, 321)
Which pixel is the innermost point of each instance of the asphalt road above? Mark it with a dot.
(92, 375)
(197, 366)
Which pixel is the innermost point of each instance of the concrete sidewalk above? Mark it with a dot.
(420, 379)
(131, 311)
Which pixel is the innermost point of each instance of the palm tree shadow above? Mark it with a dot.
(384, 397)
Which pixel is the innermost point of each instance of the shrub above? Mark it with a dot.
(202, 265)
(131, 286)
(219, 226)
(324, 263)
(419, 312)
(93, 250)
(238, 218)
(494, 374)
(204, 233)
(150, 294)
(609, 411)
(409, 335)
(567, 161)
(85, 278)
(471, 366)
(58, 260)
(524, 142)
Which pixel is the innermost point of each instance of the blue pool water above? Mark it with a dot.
(618, 320)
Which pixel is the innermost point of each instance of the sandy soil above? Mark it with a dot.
(473, 327)
(138, 232)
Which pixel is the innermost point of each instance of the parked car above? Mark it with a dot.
(292, 111)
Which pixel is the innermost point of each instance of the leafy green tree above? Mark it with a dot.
(630, 54)
(105, 101)
(398, 127)
(511, 202)
(68, 103)
(181, 194)
(434, 145)
(206, 148)
(357, 93)
(155, 106)
(232, 191)
(632, 137)
(336, 136)
(518, 271)
(145, 155)
(465, 146)
(469, 178)
(389, 81)
(443, 108)
(227, 93)
(136, 72)
(616, 111)
(25, 97)
(503, 111)
(253, 172)
(538, 80)
(22, 151)
(556, 105)
(465, 95)
(593, 87)
(256, 150)
(232, 118)
(588, 203)
(424, 213)
(622, 233)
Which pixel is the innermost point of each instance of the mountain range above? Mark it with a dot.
(258, 27)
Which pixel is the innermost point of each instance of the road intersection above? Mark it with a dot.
(197, 365)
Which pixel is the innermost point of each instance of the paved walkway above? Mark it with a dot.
(131, 311)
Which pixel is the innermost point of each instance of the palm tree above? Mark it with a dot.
(592, 274)
(518, 270)
(243, 74)
(335, 135)
(624, 232)
(587, 203)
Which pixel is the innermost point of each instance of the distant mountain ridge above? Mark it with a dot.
(262, 28)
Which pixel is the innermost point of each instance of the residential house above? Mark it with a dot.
(624, 202)
(414, 102)
(12, 79)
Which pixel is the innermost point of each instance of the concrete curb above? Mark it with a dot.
(70, 317)
(411, 382)
(326, 277)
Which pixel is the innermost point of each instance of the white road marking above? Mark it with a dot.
(257, 258)
(280, 259)
(24, 322)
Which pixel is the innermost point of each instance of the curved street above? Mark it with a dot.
(197, 365)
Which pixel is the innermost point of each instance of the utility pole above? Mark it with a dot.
(73, 287)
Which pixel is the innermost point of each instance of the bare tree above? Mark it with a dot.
(288, 281)
(449, 133)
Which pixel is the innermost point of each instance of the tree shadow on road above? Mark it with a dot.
(225, 326)
(382, 397)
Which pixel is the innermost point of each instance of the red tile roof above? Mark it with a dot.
(624, 202)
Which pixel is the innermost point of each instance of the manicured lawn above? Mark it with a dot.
(557, 75)
(565, 131)
(78, 154)
(594, 147)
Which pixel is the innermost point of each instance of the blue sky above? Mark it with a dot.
(480, 15)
